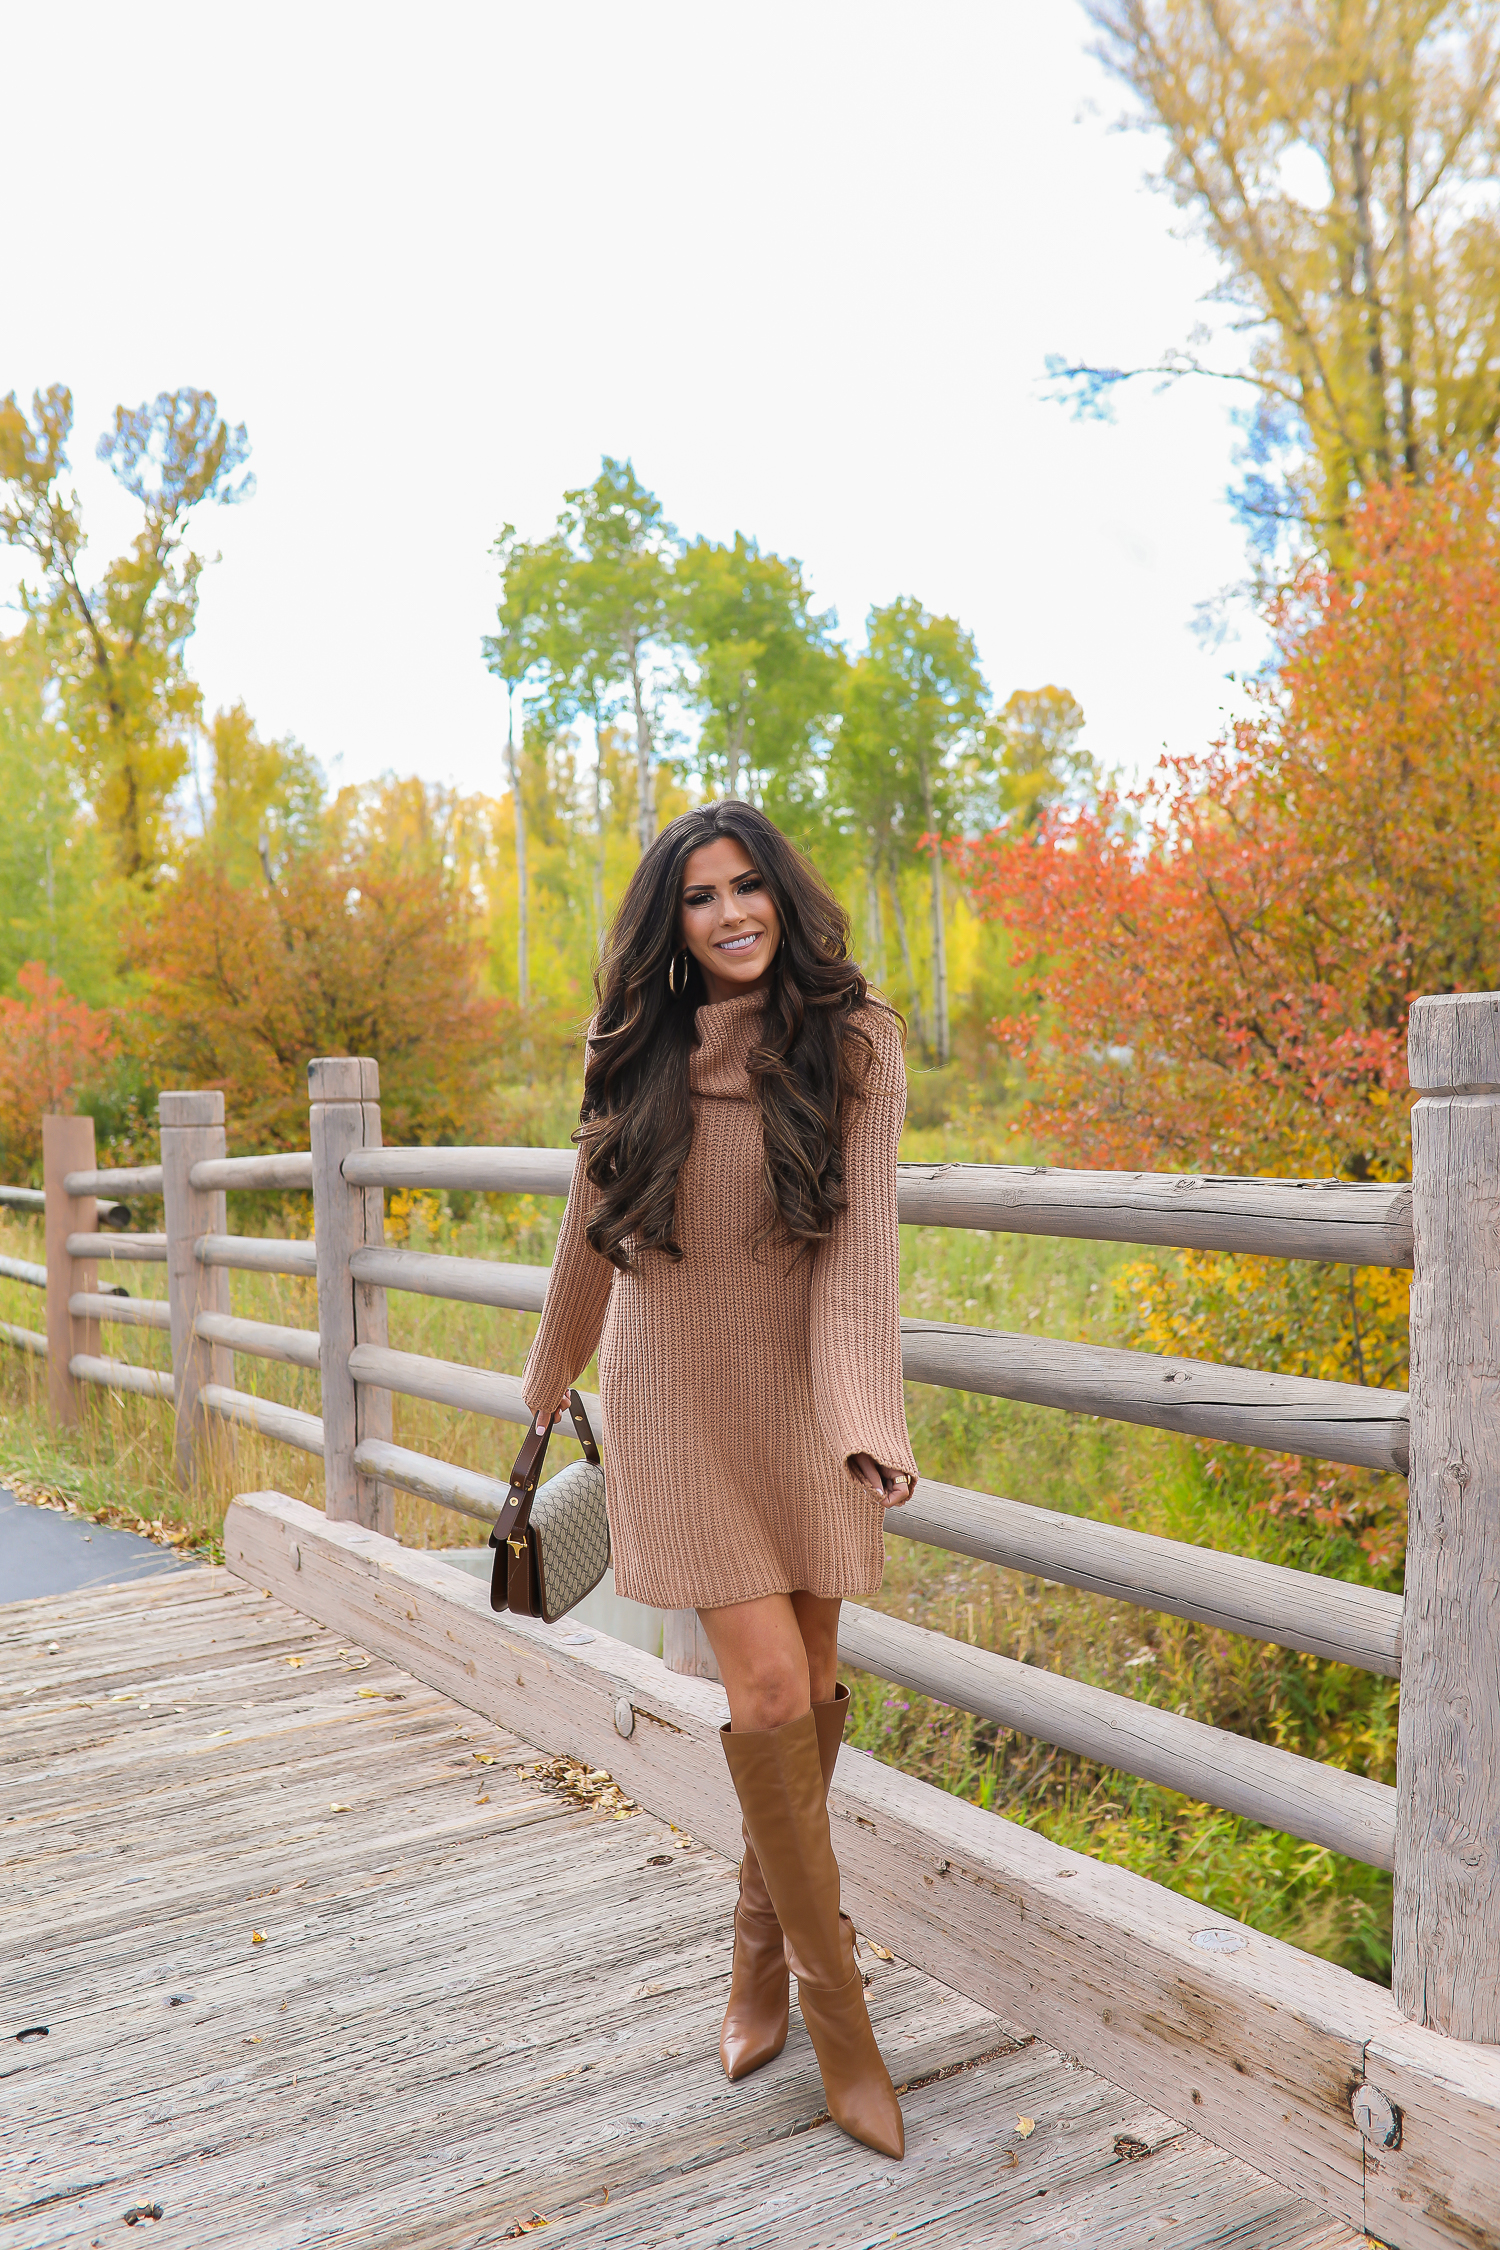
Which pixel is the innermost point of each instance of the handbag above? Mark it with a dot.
(551, 1546)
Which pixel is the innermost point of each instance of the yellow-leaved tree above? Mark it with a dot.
(1340, 157)
(115, 643)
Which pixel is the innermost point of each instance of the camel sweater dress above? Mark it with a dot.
(736, 1384)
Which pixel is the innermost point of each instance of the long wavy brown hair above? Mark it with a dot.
(808, 1065)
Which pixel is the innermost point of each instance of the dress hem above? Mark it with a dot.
(654, 1598)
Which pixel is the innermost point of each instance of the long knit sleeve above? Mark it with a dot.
(855, 1307)
(573, 1316)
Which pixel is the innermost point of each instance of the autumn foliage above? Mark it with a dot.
(243, 987)
(1223, 963)
(53, 1051)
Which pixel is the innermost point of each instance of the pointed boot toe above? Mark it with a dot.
(757, 2017)
(861, 2099)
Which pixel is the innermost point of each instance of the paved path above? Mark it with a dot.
(42, 1551)
(301, 1953)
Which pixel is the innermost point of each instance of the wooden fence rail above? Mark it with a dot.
(1440, 1828)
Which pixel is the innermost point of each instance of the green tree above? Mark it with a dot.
(1036, 759)
(266, 801)
(913, 729)
(56, 881)
(617, 615)
(1339, 159)
(116, 645)
(764, 673)
(528, 624)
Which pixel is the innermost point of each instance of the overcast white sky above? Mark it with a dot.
(801, 261)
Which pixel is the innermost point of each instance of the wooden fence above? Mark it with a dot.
(1438, 1829)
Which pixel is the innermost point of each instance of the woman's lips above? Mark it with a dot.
(739, 944)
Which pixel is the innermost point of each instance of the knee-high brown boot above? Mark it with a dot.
(755, 2021)
(779, 1781)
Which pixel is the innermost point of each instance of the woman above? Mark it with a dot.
(730, 1249)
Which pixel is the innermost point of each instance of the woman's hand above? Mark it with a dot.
(543, 1421)
(895, 1486)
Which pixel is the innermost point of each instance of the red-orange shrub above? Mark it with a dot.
(1223, 963)
(53, 1053)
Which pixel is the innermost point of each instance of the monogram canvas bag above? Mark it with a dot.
(551, 1545)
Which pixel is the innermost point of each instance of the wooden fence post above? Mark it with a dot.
(67, 1146)
(192, 1129)
(1446, 1970)
(684, 1645)
(345, 1094)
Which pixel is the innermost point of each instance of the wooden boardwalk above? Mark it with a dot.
(323, 1957)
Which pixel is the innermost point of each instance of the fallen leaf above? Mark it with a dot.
(371, 1693)
(292, 1660)
(483, 1798)
(484, 1758)
(1025, 2126)
(1009, 2160)
(879, 1951)
(253, 2041)
(340, 1808)
(257, 1937)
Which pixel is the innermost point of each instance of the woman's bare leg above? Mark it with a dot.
(777, 1657)
(818, 1623)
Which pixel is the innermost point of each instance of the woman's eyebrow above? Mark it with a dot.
(743, 876)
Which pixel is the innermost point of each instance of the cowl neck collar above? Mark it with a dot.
(727, 1030)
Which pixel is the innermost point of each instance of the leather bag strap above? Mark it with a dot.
(524, 1477)
(515, 1512)
(582, 1431)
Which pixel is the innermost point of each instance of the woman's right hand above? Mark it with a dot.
(543, 1422)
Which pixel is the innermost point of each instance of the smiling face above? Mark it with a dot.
(727, 920)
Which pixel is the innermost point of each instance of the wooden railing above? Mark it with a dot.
(1438, 1829)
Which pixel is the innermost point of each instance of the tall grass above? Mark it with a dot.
(120, 1457)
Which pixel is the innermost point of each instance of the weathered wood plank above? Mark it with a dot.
(482, 1171)
(287, 1423)
(1344, 1222)
(255, 1253)
(1257, 2045)
(1326, 1617)
(467, 1281)
(286, 1173)
(261, 1339)
(138, 1179)
(1288, 1413)
(192, 1130)
(24, 1339)
(67, 1146)
(125, 1249)
(473, 1390)
(119, 1375)
(1446, 1969)
(24, 1199)
(24, 1269)
(1341, 1811)
(465, 1489)
(125, 1312)
(186, 2067)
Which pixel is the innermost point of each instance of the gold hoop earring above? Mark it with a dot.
(672, 984)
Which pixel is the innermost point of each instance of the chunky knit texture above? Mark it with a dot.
(737, 1384)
